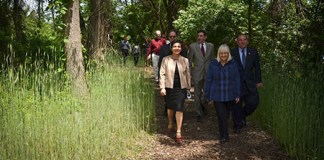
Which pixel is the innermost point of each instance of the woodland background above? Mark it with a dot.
(56, 51)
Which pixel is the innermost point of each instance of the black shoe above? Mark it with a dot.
(223, 140)
(199, 118)
(237, 131)
(244, 122)
(204, 110)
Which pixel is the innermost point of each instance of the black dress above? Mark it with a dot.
(175, 96)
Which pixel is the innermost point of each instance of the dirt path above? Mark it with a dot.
(200, 139)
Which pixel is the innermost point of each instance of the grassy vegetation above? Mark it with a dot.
(292, 109)
(39, 119)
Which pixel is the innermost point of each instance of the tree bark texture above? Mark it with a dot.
(20, 36)
(6, 31)
(73, 50)
(40, 12)
(276, 11)
(157, 8)
(170, 6)
(18, 20)
(99, 29)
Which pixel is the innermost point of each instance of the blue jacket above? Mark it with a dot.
(222, 82)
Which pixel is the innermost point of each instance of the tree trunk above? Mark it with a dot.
(20, 37)
(105, 26)
(5, 28)
(73, 50)
(94, 30)
(99, 28)
(157, 8)
(18, 20)
(276, 11)
(169, 7)
(40, 12)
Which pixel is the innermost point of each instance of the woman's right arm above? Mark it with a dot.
(162, 77)
(208, 81)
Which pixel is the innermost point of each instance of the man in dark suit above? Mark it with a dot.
(200, 55)
(247, 60)
(166, 50)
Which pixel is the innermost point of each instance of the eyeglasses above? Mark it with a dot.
(172, 36)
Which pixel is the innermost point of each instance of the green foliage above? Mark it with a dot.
(141, 18)
(282, 41)
(42, 40)
(291, 110)
(134, 20)
(221, 19)
(58, 5)
(39, 119)
(38, 111)
(313, 31)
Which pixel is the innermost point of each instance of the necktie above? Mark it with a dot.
(202, 49)
(243, 57)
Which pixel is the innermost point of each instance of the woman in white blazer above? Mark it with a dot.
(174, 83)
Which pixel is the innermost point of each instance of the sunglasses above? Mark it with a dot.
(172, 36)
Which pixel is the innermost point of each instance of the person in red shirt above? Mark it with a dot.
(154, 52)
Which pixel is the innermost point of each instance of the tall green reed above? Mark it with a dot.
(39, 119)
(292, 109)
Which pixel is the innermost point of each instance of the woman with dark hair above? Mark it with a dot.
(174, 83)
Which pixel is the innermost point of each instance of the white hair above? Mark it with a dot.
(226, 48)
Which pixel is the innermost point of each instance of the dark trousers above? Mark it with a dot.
(246, 106)
(249, 102)
(136, 57)
(125, 54)
(199, 97)
(223, 110)
(237, 116)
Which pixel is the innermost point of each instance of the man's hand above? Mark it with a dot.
(237, 100)
(259, 85)
(148, 57)
(188, 94)
(163, 92)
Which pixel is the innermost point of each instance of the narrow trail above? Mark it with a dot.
(200, 139)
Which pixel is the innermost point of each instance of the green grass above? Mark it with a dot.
(292, 109)
(39, 119)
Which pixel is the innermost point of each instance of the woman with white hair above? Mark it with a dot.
(222, 86)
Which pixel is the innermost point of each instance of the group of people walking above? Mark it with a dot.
(126, 48)
(229, 79)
